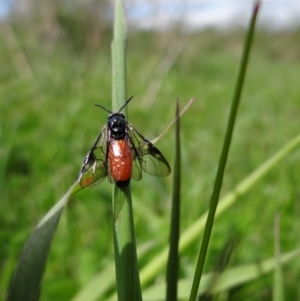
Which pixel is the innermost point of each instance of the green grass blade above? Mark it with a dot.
(26, 281)
(128, 283)
(192, 233)
(278, 291)
(229, 279)
(118, 49)
(223, 159)
(173, 259)
(243, 274)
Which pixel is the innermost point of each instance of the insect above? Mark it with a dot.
(121, 153)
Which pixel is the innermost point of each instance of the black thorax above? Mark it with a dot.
(117, 126)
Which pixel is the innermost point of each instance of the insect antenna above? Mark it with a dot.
(125, 104)
(97, 105)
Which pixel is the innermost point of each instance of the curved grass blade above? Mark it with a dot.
(228, 279)
(26, 281)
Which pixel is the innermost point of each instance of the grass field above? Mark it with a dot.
(49, 122)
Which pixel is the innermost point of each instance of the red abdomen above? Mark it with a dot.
(120, 161)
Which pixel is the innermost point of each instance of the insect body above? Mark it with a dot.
(121, 153)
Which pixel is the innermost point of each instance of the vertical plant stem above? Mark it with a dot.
(127, 276)
(223, 159)
(118, 49)
(173, 259)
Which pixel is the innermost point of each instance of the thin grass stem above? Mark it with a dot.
(223, 159)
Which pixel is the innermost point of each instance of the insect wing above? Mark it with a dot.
(94, 169)
(150, 158)
(95, 175)
(136, 167)
(153, 162)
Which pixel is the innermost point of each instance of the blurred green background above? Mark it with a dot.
(56, 65)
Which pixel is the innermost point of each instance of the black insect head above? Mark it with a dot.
(117, 125)
(116, 122)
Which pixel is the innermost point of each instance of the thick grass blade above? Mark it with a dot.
(26, 281)
(127, 275)
(173, 259)
(229, 279)
(223, 159)
(191, 234)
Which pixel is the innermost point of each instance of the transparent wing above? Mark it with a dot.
(94, 169)
(136, 165)
(146, 156)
